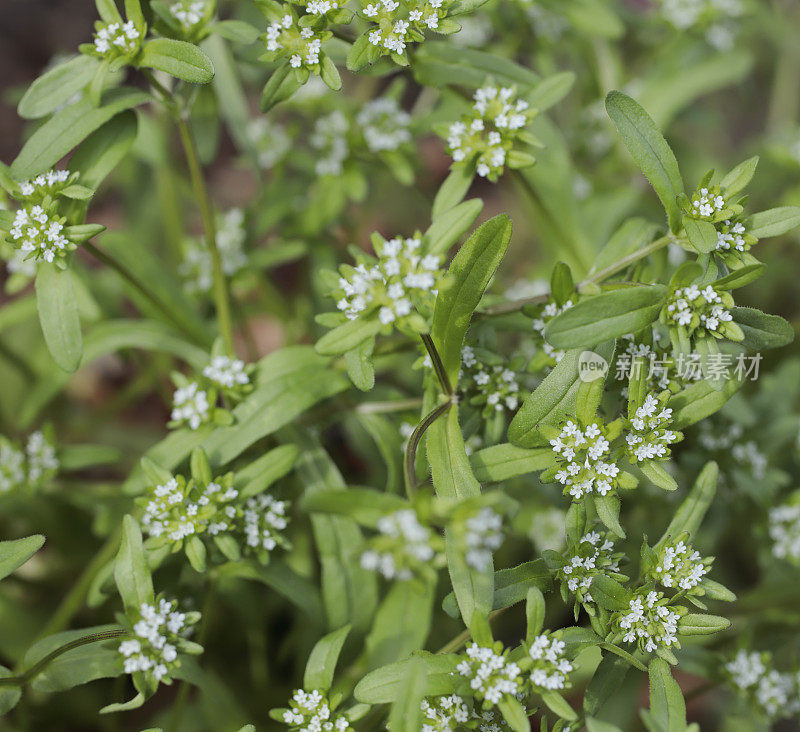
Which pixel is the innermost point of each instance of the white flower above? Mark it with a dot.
(152, 649)
(12, 467)
(491, 676)
(483, 535)
(403, 547)
(190, 405)
(311, 712)
(649, 438)
(227, 372)
(188, 13)
(679, 566)
(593, 555)
(264, 519)
(550, 669)
(784, 530)
(114, 40)
(329, 138)
(384, 125)
(270, 140)
(580, 455)
(38, 234)
(444, 714)
(650, 622)
(41, 456)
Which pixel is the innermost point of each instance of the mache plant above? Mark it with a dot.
(329, 448)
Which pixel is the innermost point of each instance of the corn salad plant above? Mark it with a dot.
(380, 365)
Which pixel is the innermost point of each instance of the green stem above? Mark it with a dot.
(221, 298)
(438, 366)
(413, 444)
(401, 405)
(141, 287)
(37, 668)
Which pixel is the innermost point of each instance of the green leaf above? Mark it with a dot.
(79, 457)
(402, 623)
(609, 594)
(9, 695)
(75, 667)
(740, 277)
(131, 572)
(650, 151)
(702, 234)
(552, 400)
(348, 336)
(605, 316)
(596, 725)
(608, 512)
(453, 189)
(667, 707)
(103, 150)
(406, 714)
(330, 74)
(364, 505)
(762, 331)
(262, 473)
(558, 704)
(451, 225)
(58, 315)
(358, 55)
(237, 31)
(382, 686)
(57, 87)
(358, 362)
(502, 462)
(534, 612)
(621, 653)
(608, 678)
(694, 624)
(13, 554)
(739, 177)
(550, 91)
(470, 271)
(629, 238)
(279, 87)
(321, 663)
(657, 475)
(179, 59)
(127, 706)
(510, 586)
(196, 553)
(775, 222)
(69, 127)
(690, 513)
(514, 713)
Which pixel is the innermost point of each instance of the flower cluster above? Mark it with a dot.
(491, 387)
(548, 312)
(228, 374)
(189, 13)
(773, 693)
(197, 268)
(403, 280)
(490, 674)
(286, 38)
(384, 125)
(329, 139)
(270, 140)
(155, 642)
(651, 621)
(706, 203)
(178, 509)
(50, 183)
(550, 669)
(713, 17)
(400, 22)
(649, 438)
(732, 237)
(679, 567)
(39, 234)
(403, 549)
(445, 714)
(700, 312)
(31, 467)
(116, 40)
(486, 135)
(593, 555)
(264, 518)
(192, 406)
(311, 712)
(784, 530)
(581, 459)
(482, 534)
